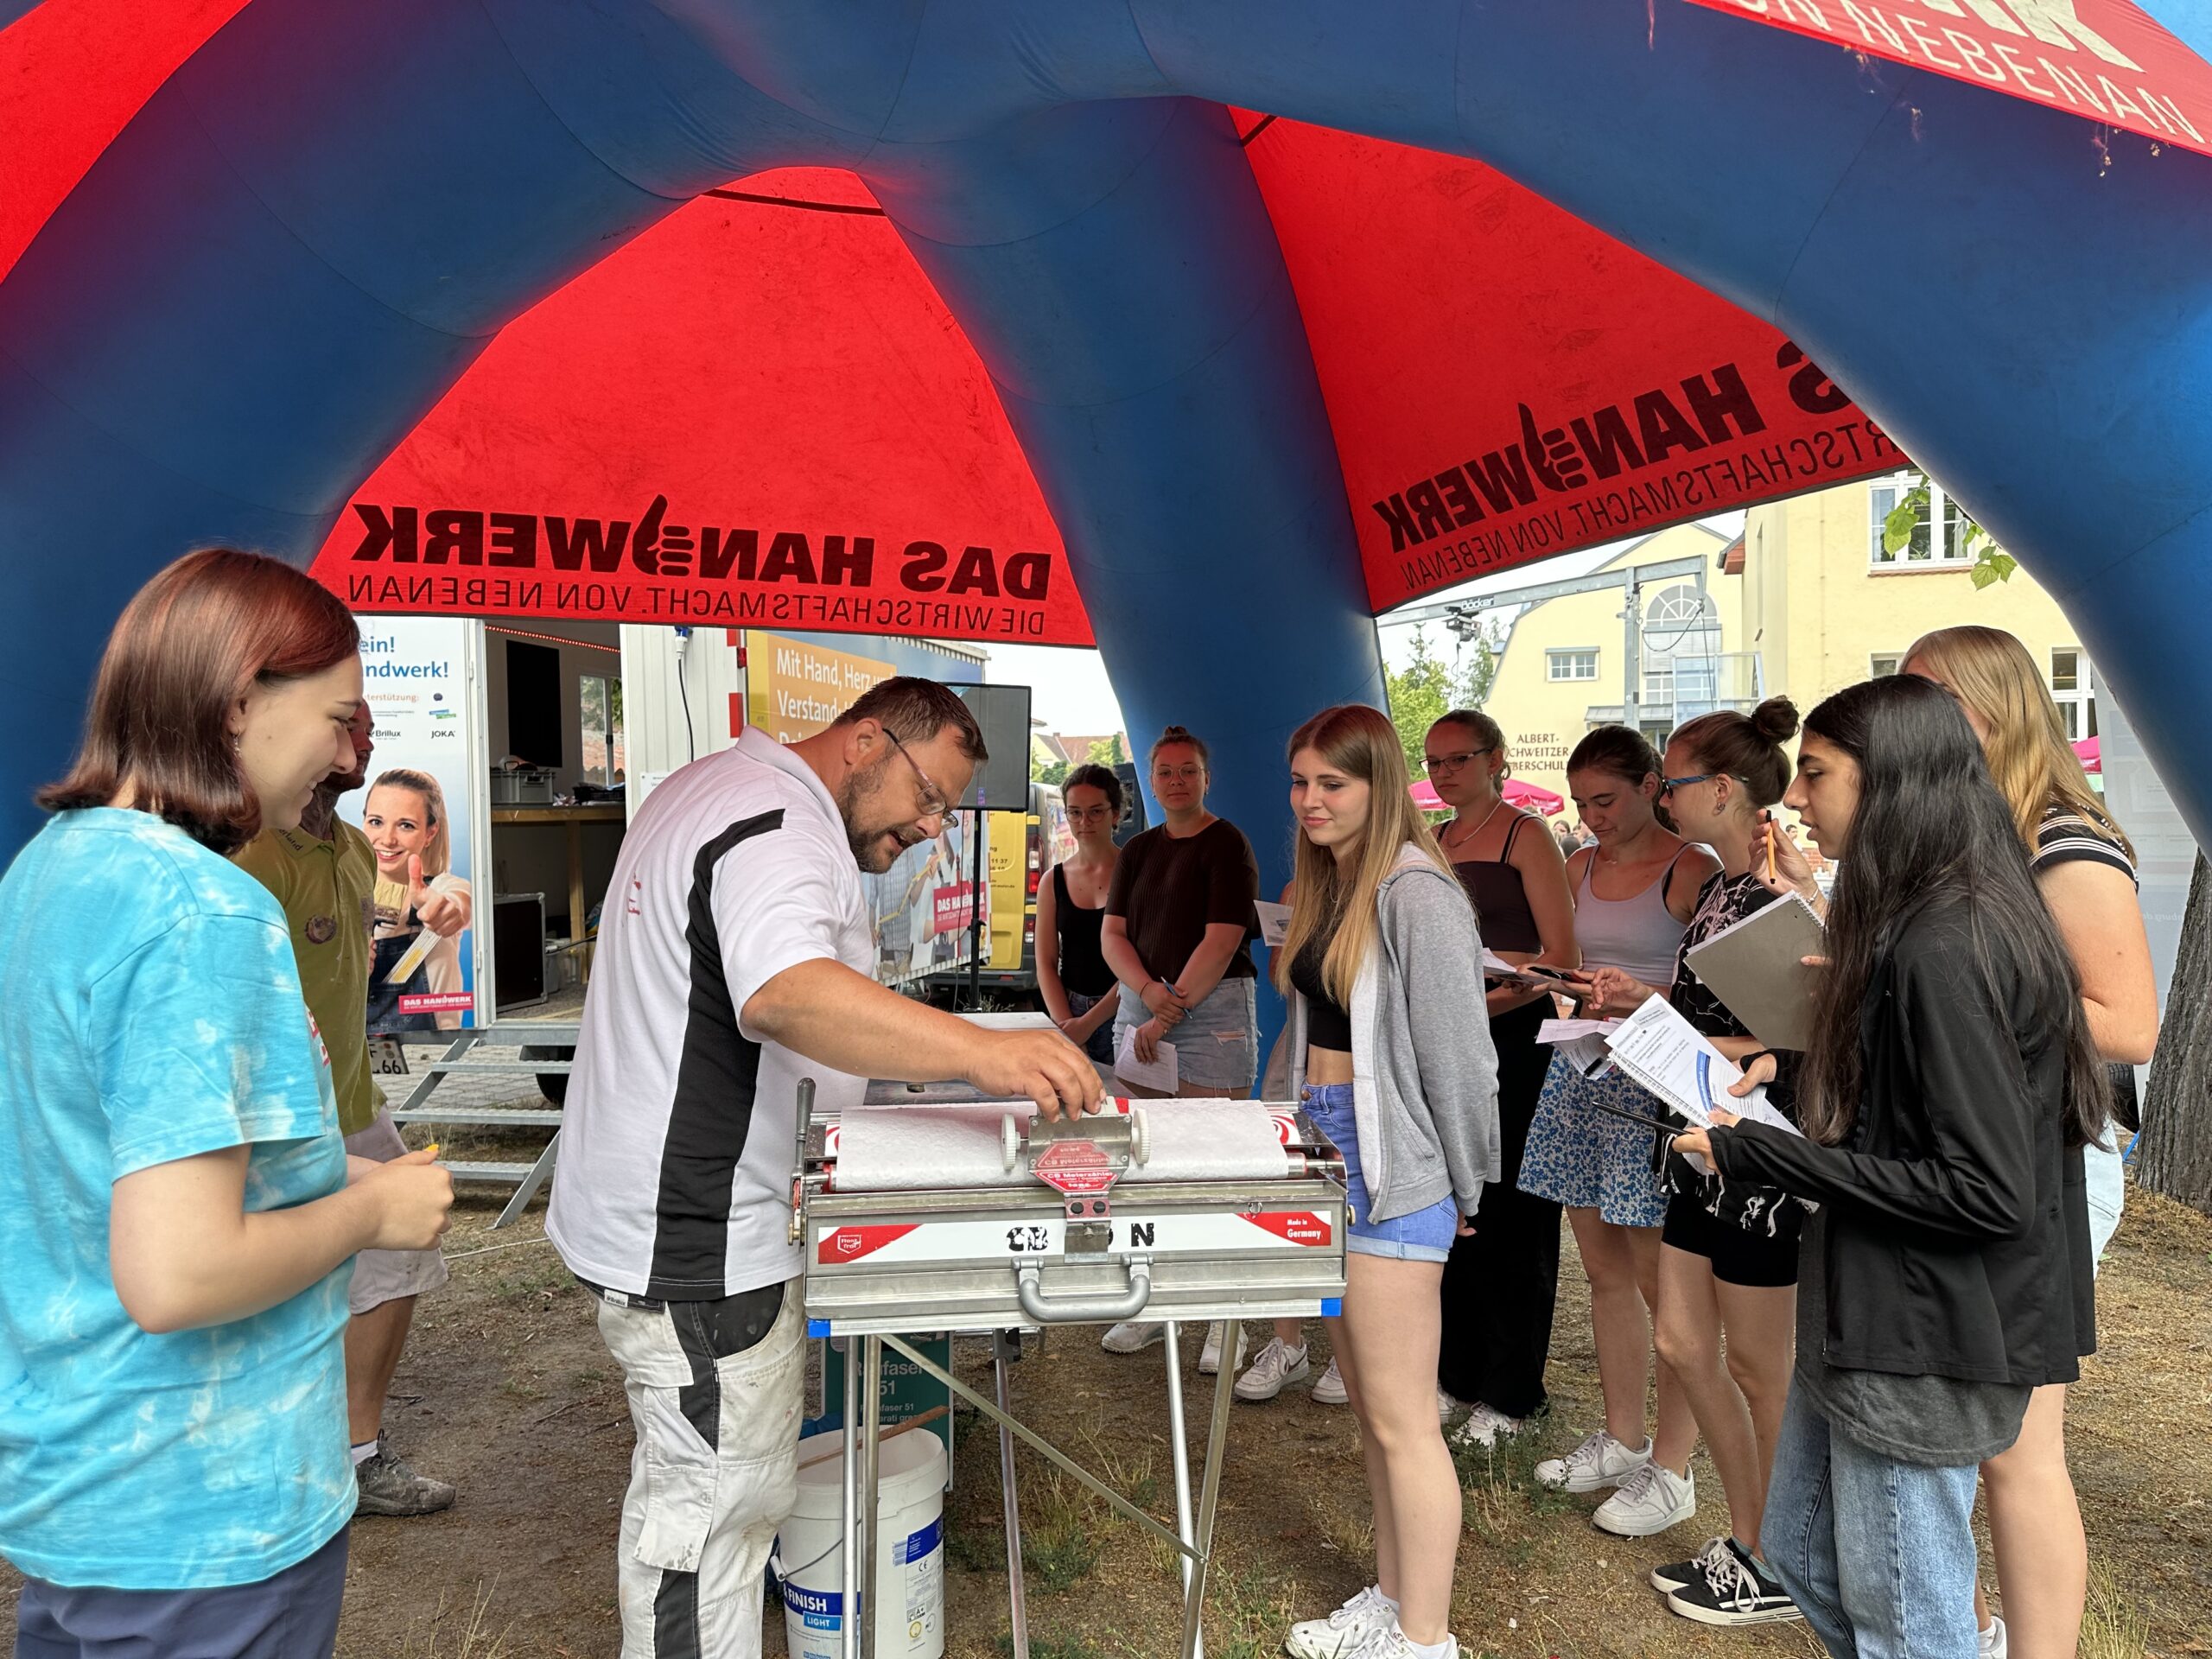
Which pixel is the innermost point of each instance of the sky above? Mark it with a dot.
(1069, 691)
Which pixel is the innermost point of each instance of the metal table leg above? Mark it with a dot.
(871, 1466)
(1209, 1498)
(1006, 1346)
(1181, 1453)
(848, 1642)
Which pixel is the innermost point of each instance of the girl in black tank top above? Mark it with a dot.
(1073, 977)
(1501, 1282)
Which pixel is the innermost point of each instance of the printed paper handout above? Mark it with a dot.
(1162, 1074)
(1661, 1050)
(1274, 922)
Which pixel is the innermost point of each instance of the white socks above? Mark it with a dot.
(1444, 1649)
(367, 1450)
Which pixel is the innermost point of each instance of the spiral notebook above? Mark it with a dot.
(1756, 967)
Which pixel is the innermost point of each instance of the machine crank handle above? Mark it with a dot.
(1028, 1288)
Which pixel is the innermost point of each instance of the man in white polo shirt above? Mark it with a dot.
(735, 958)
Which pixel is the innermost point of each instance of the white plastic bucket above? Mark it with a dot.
(909, 1552)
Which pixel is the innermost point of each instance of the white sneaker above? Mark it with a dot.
(1330, 1390)
(1651, 1500)
(1132, 1335)
(1337, 1635)
(1276, 1366)
(1599, 1462)
(1209, 1355)
(1485, 1426)
(1993, 1639)
(1446, 1404)
(1391, 1642)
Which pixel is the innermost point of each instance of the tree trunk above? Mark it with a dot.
(2175, 1156)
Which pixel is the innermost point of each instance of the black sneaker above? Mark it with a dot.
(388, 1487)
(1676, 1575)
(1733, 1590)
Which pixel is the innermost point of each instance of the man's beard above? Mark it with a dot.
(859, 794)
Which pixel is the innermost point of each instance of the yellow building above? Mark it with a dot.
(1566, 668)
(1804, 603)
(1824, 607)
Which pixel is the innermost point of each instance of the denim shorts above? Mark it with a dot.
(1425, 1236)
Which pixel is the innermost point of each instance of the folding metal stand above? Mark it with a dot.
(862, 1431)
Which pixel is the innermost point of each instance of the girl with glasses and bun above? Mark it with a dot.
(1728, 1250)
(1381, 964)
(1071, 972)
(1950, 1085)
(174, 1210)
(1634, 893)
(1177, 935)
(2085, 870)
(1504, 1277)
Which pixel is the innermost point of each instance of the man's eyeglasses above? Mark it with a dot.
(1435, 763)
(934, 806)
(1668, 786)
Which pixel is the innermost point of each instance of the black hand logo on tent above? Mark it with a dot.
(1554, 457)
(661, 550)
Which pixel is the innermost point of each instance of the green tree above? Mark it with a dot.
(1109, 752)
(1992, 564)
(1417, 694)
(1428, 685)
(1054, 772)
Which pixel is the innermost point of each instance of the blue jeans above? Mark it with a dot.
(1424, 1235)
(1878, 1555)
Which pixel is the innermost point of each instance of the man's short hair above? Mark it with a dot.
(914, 710)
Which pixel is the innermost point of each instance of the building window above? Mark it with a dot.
(1571, 664)
(604, 758)
(2071, 690)
(1938, 540)
(1881, 663)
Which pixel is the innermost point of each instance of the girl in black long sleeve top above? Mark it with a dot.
(1950, 1088)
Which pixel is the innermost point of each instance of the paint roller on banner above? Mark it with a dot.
(1006, 1144)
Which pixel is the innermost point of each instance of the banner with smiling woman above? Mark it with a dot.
(424, 822)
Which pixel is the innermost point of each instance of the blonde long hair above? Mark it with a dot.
(1359, 742)
(2028, 756)
(437, 856)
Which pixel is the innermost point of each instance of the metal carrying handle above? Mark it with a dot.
(1029, 1289)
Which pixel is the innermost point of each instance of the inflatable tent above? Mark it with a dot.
(1025, 321)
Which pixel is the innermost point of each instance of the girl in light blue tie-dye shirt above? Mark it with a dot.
(174, 1209)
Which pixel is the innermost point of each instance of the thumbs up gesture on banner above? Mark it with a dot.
(444, 913)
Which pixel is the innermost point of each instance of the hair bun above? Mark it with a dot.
(1174, 733)
(1776, 720)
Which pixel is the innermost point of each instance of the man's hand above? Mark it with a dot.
(1041, 1064)
(444, 913)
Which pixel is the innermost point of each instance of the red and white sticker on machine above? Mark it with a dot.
(972, 1239)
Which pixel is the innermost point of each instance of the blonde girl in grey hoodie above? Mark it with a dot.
(1388, 1053)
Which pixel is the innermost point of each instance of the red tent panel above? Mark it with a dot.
(1506, 383)
(73, 72)
(2107, 61)
(754, 414)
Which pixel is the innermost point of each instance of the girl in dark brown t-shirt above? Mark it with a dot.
(1177, 930)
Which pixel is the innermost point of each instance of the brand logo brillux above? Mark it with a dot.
(650, 546)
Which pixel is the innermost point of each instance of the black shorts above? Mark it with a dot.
(1752, 1257)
